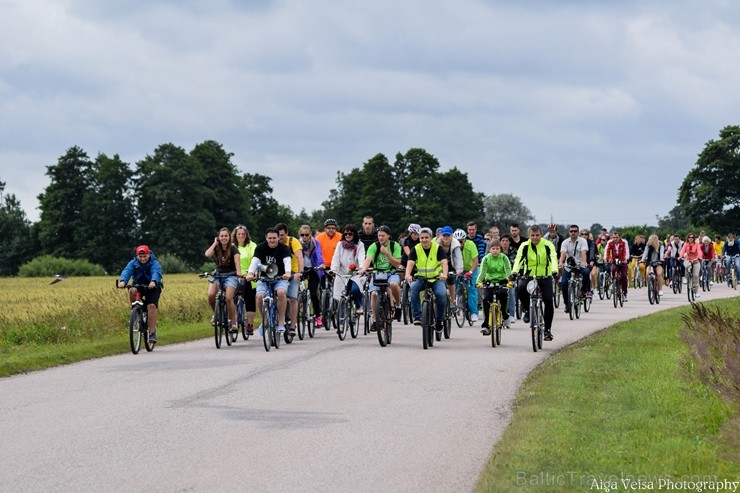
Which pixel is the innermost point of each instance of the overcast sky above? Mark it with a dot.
(590, 111)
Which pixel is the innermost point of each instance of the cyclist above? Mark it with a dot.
(636, 251)
(495, 268)
(553, 236)
(510, 252)
(718, 245)
(452, 249)
(296, 270)
(655, 252)
(592, 257)
(272, 251)
(409, 242)
(369, 233)
(516, 238)
(312, 257)
(227, 262)
(349, 252)
(537, 257)
(243, 241)
(482, 246)
(144, 269)
(574, 252)
(469, 252)
(385, 255)
(617, 248)
(328, 239)
(672, 253)
(731, 249)
(431, 263)
(494, 233)
(691, 255)
(707, 253)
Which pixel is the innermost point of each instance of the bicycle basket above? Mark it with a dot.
(380, 279)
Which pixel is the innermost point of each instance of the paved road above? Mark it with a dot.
(319, 415)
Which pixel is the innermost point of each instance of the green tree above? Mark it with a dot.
(228, 201)
(505, 209)
(264, 211)
(172, 193)
(110, 197)
(674, 221)
(710, 193)
(16, 245)
(61, 219)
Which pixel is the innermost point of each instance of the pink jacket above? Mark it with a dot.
(691, 252)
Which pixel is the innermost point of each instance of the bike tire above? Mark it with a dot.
(134, 334)
(300, 326)
(287, 336)
(276, 338)
(651, 290)
(226, 327)
(577, 303)
(518, 306)
(405, 304)
(541, 323)
(425, 324)
(558, 293)
(571, 298)
(382, 322)
(600, 287)
(367, 313)
(241, 318)
(460, 311)
(587, 304)
(499, 324)
(534, 326)
(266, 326)
(354, 324)
(217, 328)
(343, 317)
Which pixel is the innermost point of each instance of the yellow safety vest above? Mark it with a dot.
(428, 266)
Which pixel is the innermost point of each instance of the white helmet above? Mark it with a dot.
(414, 228)
(459, 234)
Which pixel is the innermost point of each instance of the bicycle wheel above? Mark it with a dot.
(460, 311)
(491, 322)
(276, 337)
(425, 321)
(499, 324)
(558, 294)
(241, 317)
(621, 297)
(651, 290)
(608, 288)
(615, 292)
(287, 336)
(226, 327)
(218, 330)
(302, 321)
(382, 322)
(534, 325)
(448, 320)
(343, 317)
(587, 304)
(134, 334)
(572, 300)
(518, 305)
(540, 323)
(266, 325)
(600, 287)
(367, 313)
(354, 323)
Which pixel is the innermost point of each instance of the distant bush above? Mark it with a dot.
(47, 266)
(172, 264)
(207, 266)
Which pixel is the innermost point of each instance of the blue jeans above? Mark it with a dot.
(440, 298)
(512, 302)
(728, 264)
(473, 295)
(585, 285)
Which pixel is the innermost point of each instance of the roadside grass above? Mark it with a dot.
(42, 326)
(623, 404)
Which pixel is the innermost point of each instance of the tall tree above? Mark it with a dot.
(16, 246)
(110, 197)
(710, 193)
(229, 201)
(172, 193)
(263, 210)
(460, 202)
(61, 218)
(505, 209)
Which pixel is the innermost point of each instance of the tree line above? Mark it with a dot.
(174, 200)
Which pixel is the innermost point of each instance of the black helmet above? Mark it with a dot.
(331, 222)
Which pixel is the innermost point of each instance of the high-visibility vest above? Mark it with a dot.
(428, 266)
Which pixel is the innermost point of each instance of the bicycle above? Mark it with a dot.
(637, 281)
(270, 335)
(690, 293)
(328, 305)
(137, 322)
(405, 300)
(719, 274)
(461, 300)
(556, 293)
(345, 316)
(616, 281)
(221, 322)
(705, 276)
(384, 323)
(676, 277)
(733, 271)
(536, 311)
(367, 307)
(306, 318)
(575, 283)
(428, 311)
(604, 286)
(241, 321)
(495, 312)
(652, 284)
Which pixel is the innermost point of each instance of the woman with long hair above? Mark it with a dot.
(227, 262)
(243, 241)
(312, 258)
(350, 251)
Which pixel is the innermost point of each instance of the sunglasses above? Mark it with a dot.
(305, 235)
(584, 234)
(573, 231)
(348, 233)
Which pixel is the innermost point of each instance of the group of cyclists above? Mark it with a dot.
(445, 258)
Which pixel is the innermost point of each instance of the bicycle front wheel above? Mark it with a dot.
(266, 326)
(558, 294)
(343, 318)
(499, 324)
(460, 310)
(425, 324)
(134, 334)
(615, 293)
(218, 330)
(534, 325)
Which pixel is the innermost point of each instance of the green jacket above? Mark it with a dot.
(540, 260)
(494, 269)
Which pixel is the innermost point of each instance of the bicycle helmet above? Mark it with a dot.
(459, 234)
(331, 222)
(414, 228)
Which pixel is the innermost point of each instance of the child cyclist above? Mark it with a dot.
(144, 270)
(494, 268)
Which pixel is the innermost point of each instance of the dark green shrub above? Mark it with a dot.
(47, 266)
(172, 264)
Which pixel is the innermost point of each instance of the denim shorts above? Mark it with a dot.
(263, 287)
(391, 279)
(226, 282)
(293, 288)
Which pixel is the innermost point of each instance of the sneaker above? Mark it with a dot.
(474, 317)
(486, 332)
(260, 331)
(397, 314)
(319, 322)
(697, 296)
(660, 293)
(373, 327)
(234, 329)
(417, 321)
(484, 326)
(507, 323)
(525, 317)
(683, 280)
(281, 328)
(359, 311)
(213, 320)
(589, 294)
(567, 308)
(250, 329)
(453, 306)
(152, 337)
(291, 330)
(440, 326)
(548, 335)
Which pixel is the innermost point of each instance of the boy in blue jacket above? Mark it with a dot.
(144, 269)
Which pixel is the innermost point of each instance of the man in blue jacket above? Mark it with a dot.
(144, 270)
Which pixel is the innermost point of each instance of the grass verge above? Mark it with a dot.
(619, 410)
